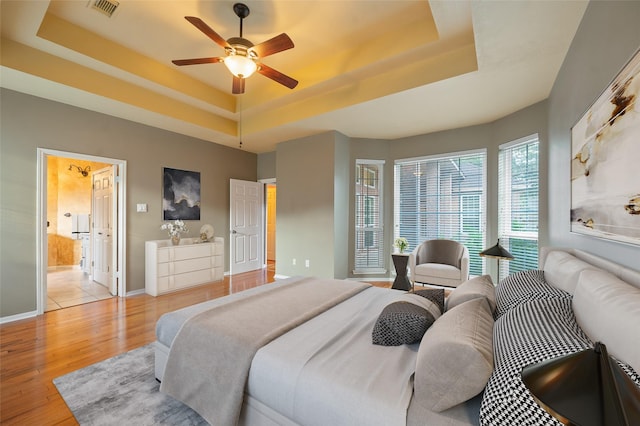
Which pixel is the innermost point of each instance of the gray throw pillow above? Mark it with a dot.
(436, 295)
(401, 323)
(455, 358)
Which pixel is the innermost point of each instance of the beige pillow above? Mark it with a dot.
(455, 358)
(471, 289)
(608, 310)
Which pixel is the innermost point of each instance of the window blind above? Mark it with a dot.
(369, 235)
(518, 169)
(442, 197)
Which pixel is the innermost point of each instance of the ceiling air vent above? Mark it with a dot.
(105, 6)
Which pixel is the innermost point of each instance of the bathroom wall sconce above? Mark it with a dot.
(84, 172)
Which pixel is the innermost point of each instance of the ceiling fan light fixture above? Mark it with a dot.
(240, 66)
(242, 56)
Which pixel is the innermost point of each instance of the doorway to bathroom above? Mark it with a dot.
(81, 229)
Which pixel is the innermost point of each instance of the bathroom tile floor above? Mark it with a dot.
(69, 286)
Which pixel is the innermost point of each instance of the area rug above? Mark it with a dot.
(123, 391)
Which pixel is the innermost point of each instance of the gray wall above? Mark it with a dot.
(267, 165)
(297, 158)
(29, 123)
(305, 176)
(341, 198)
(606, 39)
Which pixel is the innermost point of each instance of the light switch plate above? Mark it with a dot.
(141, 208)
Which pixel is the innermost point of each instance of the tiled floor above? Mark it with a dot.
(69, 286)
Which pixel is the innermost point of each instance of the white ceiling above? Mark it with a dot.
(370, 69)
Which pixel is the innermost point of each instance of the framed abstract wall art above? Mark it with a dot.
(605, 162)
(180, 194)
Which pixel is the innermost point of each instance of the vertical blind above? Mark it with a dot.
(369, 244)
(442, 197)
(518, 167)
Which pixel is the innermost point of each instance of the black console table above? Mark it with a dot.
(400, 263)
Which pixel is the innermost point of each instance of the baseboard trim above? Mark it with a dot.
(365, 279)
(18, 317)
(134, 292)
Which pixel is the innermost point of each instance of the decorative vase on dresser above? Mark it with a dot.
(171, 267)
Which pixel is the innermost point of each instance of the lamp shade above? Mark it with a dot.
(585, 388)
(240, 66)
(497, 251)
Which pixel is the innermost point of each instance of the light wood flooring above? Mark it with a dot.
(35, 351)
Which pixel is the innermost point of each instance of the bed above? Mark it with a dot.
(322, 368)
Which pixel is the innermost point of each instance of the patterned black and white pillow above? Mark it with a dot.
(436, 295)
(527, 334)
(401, 323)
(522, 287)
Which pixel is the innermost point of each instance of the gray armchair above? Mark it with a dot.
(440, 262)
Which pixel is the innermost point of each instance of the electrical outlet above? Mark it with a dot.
(306, 263)
(141, 208)
(294, 261)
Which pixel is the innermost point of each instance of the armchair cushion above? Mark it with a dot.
(438, 270)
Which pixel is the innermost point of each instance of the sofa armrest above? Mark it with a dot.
(412, 264)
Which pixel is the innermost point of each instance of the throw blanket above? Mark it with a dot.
(209, 360)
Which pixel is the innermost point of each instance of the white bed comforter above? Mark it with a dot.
(327, 372)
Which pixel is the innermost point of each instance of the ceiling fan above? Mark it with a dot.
(243, 57)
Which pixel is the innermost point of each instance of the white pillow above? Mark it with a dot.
(608, 310)
(562, 270)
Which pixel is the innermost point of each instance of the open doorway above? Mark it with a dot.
(70, 275)
(271, 226)
(75, 264)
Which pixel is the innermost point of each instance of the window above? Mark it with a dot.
(442, 197)
(369, 244)
(518, 203)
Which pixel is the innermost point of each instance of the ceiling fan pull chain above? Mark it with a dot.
(240, 120)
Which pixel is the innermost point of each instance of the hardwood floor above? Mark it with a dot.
(35, 351)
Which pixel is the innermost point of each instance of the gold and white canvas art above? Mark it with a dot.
(605, 164)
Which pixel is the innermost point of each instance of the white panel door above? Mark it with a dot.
(102, 230)
(247, 226)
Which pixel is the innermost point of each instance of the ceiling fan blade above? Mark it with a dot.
(197, 61)
(199, 24)
(274, 75)
(238, 85)
(274, 45)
